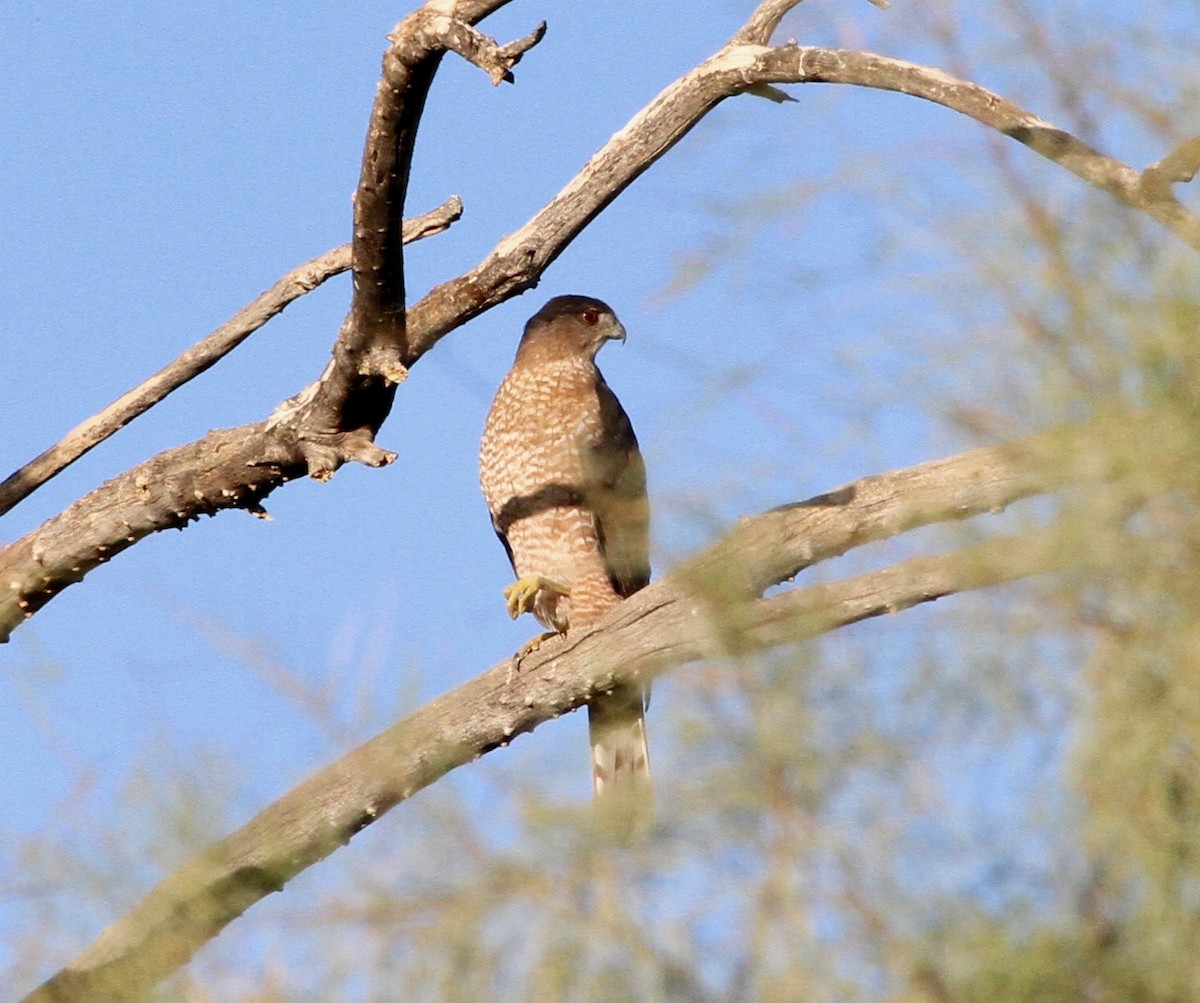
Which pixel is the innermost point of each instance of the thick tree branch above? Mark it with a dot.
(224, 469)
(696, 611)
(201, 356)
(356, 390)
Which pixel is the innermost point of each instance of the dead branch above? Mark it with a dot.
(696, 611)
(336, 419)
(806, 64)
(748, 64)
(202, 356)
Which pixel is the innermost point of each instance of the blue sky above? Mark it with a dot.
(159, 170)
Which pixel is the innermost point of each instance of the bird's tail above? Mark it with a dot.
(621, 760)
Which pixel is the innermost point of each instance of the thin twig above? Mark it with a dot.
(763, 22)
(201, 356)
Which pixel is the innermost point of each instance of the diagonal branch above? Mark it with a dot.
(202, 356)
(763, 22)
(495, 60)
(517, 262)
(669, 623)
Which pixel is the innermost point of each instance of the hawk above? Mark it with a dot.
(566, 487)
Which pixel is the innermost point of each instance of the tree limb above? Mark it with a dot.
(201, 356)
(804, 613)
(807, 64)
(744, 65)
(354, 394)
(700, 609)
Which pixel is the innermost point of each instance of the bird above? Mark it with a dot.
(565, 485)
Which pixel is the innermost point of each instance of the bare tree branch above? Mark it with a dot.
(336, 418)
(517, 262)
(495, 60)
(806, 64)
(698, 610)
(201, 356)
(803, 613)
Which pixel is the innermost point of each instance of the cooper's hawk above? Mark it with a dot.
(566, 487)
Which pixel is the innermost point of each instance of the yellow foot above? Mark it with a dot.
(521, 595)
(532, 645)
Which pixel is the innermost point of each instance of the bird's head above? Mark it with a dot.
(570, 326)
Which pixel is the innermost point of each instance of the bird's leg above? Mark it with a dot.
(521, 597)
(522, 594)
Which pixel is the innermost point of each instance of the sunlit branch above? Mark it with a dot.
(335, 419)
(807, 64)
(200, 357)
(742, 66)
(700, 609)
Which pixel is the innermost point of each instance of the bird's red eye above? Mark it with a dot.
(590, 317)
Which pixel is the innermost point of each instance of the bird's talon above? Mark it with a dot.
(521, 595)
(530, 646)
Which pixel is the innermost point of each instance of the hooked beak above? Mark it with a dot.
(615, 331)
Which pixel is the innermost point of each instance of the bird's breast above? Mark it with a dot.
(538, 430)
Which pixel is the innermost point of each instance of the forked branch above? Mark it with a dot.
(748, 64)
(202, 356)
(336, 419)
